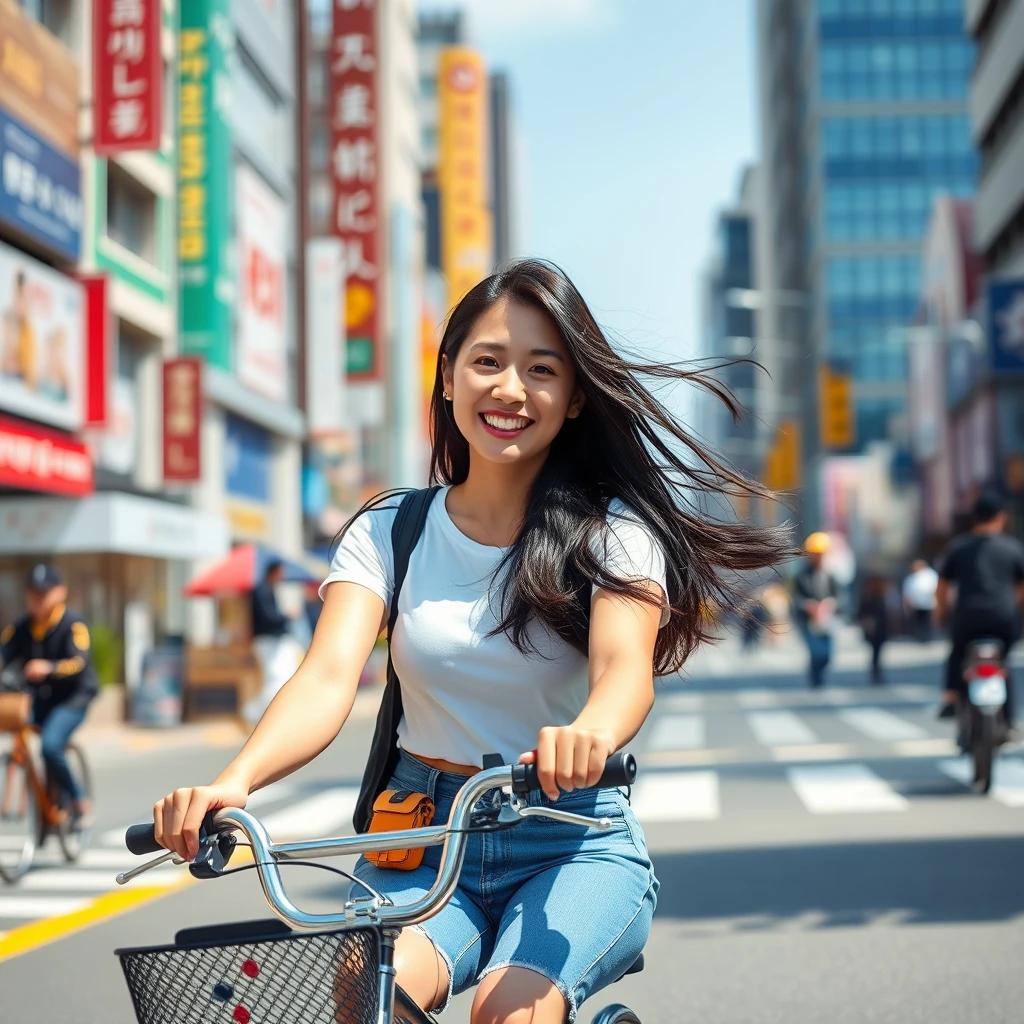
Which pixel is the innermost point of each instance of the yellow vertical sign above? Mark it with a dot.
(838, 428)
(466, 253)
(782, 460)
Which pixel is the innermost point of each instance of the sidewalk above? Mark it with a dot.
(105, 733)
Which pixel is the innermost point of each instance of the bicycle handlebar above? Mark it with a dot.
(619, 770)
(452, 837)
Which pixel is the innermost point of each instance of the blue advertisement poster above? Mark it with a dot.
(40, 189)
(1006, 324)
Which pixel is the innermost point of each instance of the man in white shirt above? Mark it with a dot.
(919, 598)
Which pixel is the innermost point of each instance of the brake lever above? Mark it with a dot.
(126, 876)
(565, 816)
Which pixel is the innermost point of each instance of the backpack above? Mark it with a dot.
(405, 534)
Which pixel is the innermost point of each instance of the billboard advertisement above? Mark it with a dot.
(466, 247)
(40, 189)
(42, 317)
(206, 283)
(127, 75)
(355, 158)
(260, 340)
(38, 78)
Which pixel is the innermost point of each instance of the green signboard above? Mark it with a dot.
(206, 281)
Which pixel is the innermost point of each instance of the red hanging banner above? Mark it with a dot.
(355, 169)
(127, 75)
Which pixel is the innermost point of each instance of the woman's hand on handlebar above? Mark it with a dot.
(569, 757)
(177, 817)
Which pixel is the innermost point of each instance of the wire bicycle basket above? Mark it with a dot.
(256, 972)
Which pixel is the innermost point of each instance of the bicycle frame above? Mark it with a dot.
(374, 910)
(22, 754)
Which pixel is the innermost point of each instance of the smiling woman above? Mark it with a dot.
(560, 561)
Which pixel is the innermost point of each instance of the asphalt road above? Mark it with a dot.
(820, 858)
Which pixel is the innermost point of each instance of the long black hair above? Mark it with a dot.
(618, 447)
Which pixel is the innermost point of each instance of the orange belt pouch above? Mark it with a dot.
(396, 810)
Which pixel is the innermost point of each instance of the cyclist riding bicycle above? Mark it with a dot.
(555, 575)
(51, 644)
(986, 570)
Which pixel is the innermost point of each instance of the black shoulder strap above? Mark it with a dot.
(405, 533)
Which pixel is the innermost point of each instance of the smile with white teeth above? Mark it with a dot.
(506, 422)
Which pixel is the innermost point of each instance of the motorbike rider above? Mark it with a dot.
(986, 569)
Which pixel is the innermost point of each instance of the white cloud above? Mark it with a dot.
(532, 17)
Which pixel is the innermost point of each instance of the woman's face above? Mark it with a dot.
(512, 384)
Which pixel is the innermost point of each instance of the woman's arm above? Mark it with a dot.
(302, 719)
(623, 633)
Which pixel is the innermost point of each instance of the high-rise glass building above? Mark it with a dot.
(864, 122)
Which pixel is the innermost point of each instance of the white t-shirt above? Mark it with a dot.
(466, 694)
(919, 589)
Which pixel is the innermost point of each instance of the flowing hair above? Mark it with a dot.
(618, 447)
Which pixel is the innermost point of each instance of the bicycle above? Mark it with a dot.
(342, 970)
(31, 805)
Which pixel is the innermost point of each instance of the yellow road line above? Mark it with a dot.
(39, 933)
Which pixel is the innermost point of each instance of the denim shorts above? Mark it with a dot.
(572, 904)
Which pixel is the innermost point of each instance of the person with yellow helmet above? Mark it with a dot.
(815, 593)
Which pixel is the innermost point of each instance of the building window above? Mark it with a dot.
(131, 213)
(56, 16)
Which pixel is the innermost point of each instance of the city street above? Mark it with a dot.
(820, 857)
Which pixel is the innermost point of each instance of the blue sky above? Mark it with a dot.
(635, 118)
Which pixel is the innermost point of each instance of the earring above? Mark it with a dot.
(445, 396)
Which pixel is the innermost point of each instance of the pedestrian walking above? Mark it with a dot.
(271, 638)
(815, 598)
(874, 616)
(919, 598)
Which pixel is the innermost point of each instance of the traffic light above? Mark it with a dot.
(838, 428)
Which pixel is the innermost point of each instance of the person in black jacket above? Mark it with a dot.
(267, 618)
(980, 594)
(51, 644)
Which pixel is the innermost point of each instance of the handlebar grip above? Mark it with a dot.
(139, 838)
(619, 770)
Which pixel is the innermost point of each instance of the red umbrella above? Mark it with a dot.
(241, 570)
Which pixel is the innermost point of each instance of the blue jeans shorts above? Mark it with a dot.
(572, 904)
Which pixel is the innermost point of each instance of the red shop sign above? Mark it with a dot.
(34, 459)
(127, 75)
(183, 419)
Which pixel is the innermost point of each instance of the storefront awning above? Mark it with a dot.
(109, 522)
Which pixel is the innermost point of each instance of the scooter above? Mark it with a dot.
(982, 720)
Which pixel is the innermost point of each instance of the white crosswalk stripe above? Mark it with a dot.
(82, 880)
(843, 789)
(879, 724)
(38, 906)
(326, 813)
(775, 728)
(1007, 778)
(677, 732)
(676, 796)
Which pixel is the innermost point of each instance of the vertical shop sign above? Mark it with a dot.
(127, 75)
(204, 180)
(183, 419)
(355, 160)
(466, 254)
(261, 293)
(325, 337)
(97, 349)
